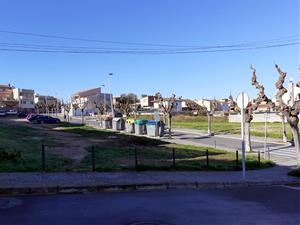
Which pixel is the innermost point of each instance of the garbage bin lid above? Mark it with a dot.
(130, 121)
(153, 122)
(141, 122)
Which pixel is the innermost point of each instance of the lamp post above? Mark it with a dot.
(111, 100)
(104, 96)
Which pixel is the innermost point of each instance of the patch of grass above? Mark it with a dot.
(221, 125)
(161, 158)
(295, 172)
(28, 142)
(113, 154)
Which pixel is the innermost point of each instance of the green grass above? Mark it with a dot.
(161, 158)
(29, 143)
(221, 125)
(115, 154)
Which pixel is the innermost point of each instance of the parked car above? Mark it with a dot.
(2, 113)
(44, 119)
(22, 115)
(12, 112)
(30, 115)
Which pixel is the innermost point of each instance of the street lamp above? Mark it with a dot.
(111, 100)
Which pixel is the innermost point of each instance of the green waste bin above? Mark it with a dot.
(140, 127)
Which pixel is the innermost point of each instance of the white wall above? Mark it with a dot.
(257, 117)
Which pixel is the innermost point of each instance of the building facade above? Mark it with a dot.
(87, 99)
(7, 100)
(147, 101)
(25, 98)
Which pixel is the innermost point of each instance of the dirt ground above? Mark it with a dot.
(69, 145)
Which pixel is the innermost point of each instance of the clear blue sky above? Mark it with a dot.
(176, 22)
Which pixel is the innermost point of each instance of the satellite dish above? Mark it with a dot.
(243, 98)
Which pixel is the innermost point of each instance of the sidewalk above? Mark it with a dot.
(46, 183)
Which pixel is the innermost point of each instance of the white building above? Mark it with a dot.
(25, 97)
(87, 100)
(176, 108)
(147, 101)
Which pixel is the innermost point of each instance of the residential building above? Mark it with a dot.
(147, 101)
(7, 100)
(46, 104)
(86, 99)
(176, 108)
(25, 98)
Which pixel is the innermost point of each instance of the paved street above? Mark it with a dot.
(281, 153)
(261, 206)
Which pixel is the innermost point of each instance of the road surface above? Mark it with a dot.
(253, 206)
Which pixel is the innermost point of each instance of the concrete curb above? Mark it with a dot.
(9, 191)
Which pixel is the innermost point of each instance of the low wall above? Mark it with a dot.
(257, 117)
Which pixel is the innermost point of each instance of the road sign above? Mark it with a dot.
(243, 100)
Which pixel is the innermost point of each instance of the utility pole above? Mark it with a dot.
(111, 99)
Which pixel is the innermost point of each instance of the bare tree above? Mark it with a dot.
(67, 108)
(167, 106)
(102, 108)
(261, 97)
(80, 104)
(127, 103)
(195, 107)
(210, 109)
(291, 112)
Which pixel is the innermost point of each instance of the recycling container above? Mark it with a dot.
(140, 127)
(118, 123)
(130, 126)
(107, 123)
(154, 128)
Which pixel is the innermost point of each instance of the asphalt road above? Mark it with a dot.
(282, 154)
(261, 206)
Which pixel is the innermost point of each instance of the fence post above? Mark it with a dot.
(237, 159)
(135, 158)
(93, 158)
(258, 156)
(207, 160)
(43, 158)
(174, 158)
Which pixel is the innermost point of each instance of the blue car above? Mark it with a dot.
(44, 119)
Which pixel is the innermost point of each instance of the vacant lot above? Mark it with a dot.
(69, 148)
(221, 125)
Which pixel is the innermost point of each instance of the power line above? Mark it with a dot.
(138, 43)
(74, 51)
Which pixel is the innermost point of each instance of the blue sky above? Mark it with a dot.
(175, 22)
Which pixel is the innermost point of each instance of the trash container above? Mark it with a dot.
(130, 126)
(107, 123)
(155, 128)
(140, 127)
(118, 123)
